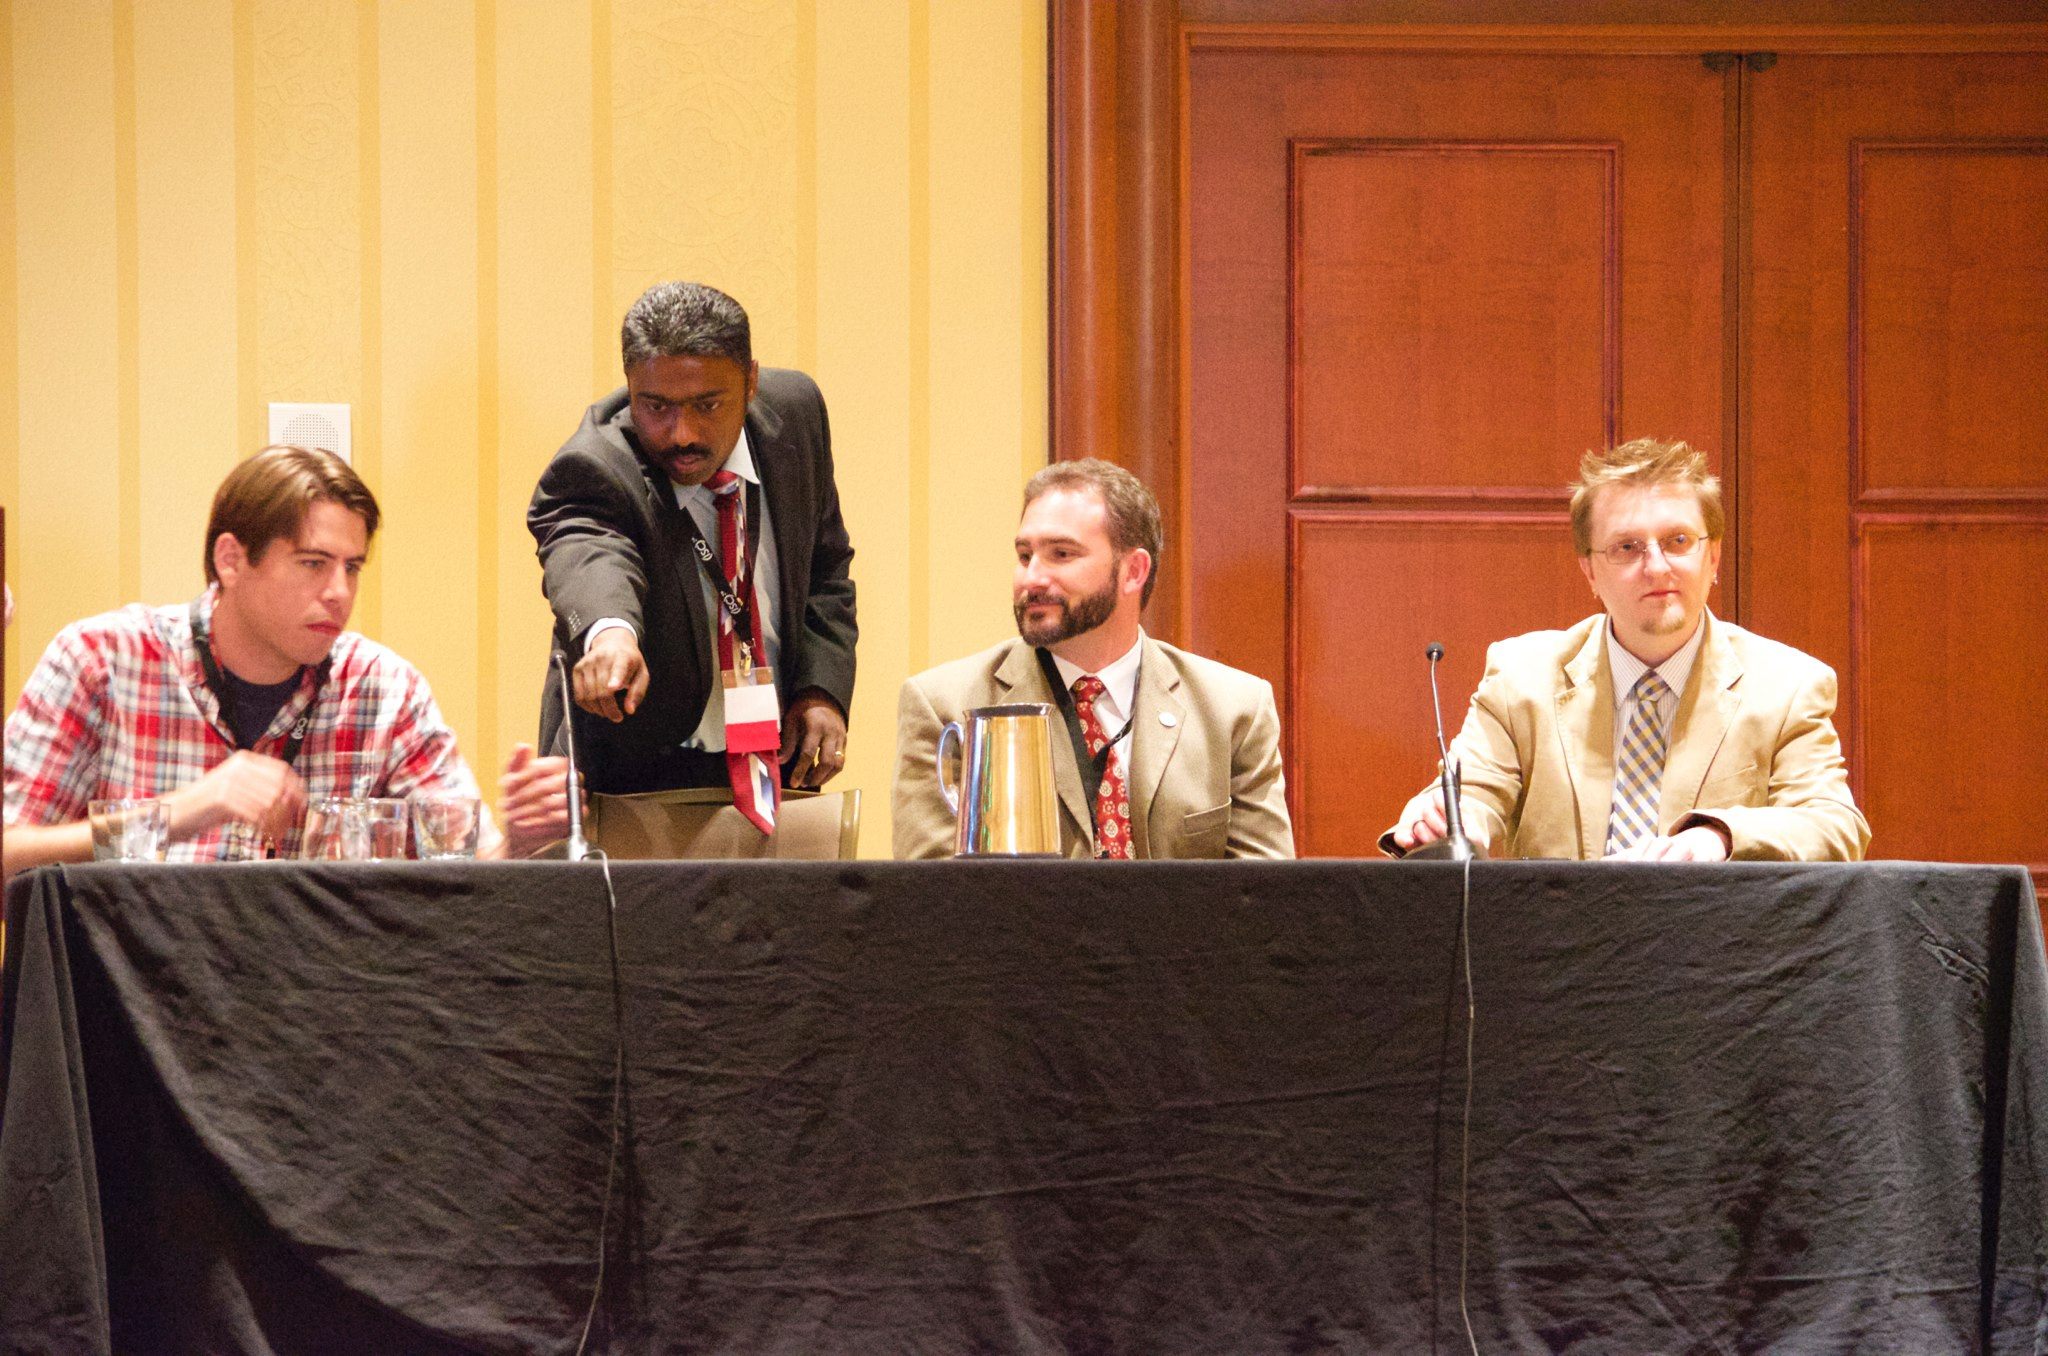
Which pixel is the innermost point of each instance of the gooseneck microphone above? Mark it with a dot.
(1454, 846)
(578, 849)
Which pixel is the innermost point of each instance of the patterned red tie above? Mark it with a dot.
(755, 789)
(1113, 801)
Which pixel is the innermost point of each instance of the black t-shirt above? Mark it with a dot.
(248, 708)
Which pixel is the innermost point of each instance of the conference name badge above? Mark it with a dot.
(753, 711)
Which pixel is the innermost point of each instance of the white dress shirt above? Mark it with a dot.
(1626, 670)
(1120, 693)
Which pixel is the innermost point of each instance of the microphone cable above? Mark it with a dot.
(1465, 1135)
(618, 1128)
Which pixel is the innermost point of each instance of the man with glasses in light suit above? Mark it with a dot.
(1652, 731)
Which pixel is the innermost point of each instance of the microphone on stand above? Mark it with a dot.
(577, 849)
(1454, 846)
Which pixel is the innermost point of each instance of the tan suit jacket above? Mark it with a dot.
(1204, 755)
(1752, 747)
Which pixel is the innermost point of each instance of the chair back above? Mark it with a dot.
(701, 823)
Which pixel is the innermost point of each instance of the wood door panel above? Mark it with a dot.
(1951, 725)
(1895, 472)
(1808, 118)
(1949, 261)
(1359, 679)
(1494, 266)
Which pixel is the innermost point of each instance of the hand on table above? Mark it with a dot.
(249, 788)
(1700, 843)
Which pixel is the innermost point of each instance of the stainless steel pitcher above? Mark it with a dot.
(1002, 793)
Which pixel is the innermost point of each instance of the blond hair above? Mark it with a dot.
(1642, 462)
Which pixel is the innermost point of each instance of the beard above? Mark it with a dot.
(1077, 616)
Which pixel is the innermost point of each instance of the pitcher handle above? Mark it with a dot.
(950, 790)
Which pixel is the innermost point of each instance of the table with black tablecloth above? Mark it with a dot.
(1024, 1107)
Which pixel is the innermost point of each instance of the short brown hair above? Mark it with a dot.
(1644, 461)
(266, 497)
(1133, 512)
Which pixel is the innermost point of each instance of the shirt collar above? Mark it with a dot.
(192, 669)
(740, 463)
(1626, 670)
(1119, 676)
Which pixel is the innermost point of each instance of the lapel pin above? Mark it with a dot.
(1168, 719)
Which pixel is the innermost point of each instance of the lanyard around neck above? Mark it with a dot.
(1093, 766)
(217, 685)
(726, 590)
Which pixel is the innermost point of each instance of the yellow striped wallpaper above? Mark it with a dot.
(437, 211)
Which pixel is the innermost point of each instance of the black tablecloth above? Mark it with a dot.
(1024, 1107)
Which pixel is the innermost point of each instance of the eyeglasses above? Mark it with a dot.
(1633, 551)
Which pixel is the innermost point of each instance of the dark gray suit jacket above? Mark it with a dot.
(614, 543)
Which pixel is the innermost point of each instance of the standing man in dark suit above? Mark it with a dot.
(664, 608)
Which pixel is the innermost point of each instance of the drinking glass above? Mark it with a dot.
(129, 830)
(354, 829)
(446, 826)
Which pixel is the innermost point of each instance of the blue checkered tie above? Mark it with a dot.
(1639, 767)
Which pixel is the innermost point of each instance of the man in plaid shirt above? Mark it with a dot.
(239, 707)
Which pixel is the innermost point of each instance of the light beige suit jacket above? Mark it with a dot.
(1752, 747)
(1204, 755)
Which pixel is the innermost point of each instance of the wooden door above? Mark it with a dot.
(1420, 284)
(1895, 427)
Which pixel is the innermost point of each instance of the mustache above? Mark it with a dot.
(690, 450)
(1032, 598)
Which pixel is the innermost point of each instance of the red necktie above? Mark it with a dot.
(755, 789)
(1113, 801)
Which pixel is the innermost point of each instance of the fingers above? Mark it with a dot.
(814, 734)
(809, 752)
(530, 771)
(814, 769)
(537, 809)
(542, 789)
(586, 686)
(597, 680)
(611, 678)
(277, 801)
(522, 756)
(1424, 829)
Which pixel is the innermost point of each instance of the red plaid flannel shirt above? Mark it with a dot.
(119, 706)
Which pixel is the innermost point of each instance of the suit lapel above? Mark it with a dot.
(1020, 679)
(785, 517)
(673, 552)
(1705, 712)
(1152, 740)
(1585, 731)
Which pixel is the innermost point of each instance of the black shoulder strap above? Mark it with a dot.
(1093, 766)
(217, 685)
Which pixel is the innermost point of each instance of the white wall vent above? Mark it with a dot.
(323, 426)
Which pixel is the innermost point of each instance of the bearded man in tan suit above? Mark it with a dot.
(1655, 730)
(1192, 767)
